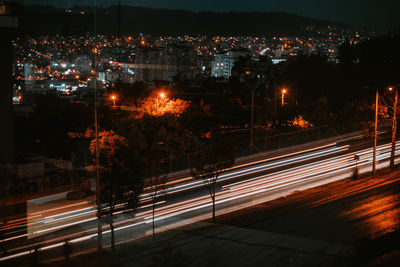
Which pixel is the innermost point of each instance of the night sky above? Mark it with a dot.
(375, 14)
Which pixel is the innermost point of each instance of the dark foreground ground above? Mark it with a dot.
(346, 223)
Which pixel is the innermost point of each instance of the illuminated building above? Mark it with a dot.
(222, 66)
(165, 63)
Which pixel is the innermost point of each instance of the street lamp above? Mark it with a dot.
(161, 95)
(113, 98)
(375, 131)
(394, 125)
(283, 96)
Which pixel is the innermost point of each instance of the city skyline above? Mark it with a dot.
(373, 14)
(162, 134)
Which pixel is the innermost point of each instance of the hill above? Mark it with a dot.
(163, 22)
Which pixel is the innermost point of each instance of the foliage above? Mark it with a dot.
(119, 172)
(300, 122)
(157, 106)
(109, 144)
(156, 138)
(129, 94)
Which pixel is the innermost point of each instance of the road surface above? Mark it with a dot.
(185, 201)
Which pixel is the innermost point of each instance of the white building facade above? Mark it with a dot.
(222, 66)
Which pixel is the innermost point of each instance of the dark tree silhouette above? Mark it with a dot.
(215, 157)
(120, 178)
(155, 186)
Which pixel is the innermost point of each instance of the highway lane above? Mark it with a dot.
(338, 162)
(84, 211)
(57, 212)
(299, 157)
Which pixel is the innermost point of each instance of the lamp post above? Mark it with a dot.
(98, 193)
(394, 126)
(283, 96)
(375, 132)
(113, 97)
(161, 95)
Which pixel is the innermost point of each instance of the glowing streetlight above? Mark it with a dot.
(375, 132)
(394, 126)
(161, 95)
(284, 91)
(113, 98)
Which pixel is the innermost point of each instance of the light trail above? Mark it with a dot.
(52, 218)
(300, 156)
(314, 171)
(258, 162)
(237, 174)
(58, 208)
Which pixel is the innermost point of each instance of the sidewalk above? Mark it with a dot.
(205, 244)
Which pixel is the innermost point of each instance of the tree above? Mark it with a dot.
(67, 249)
(215, 157)
(159, 106)
(158, 136)
(130, 93)
(155, 185)
(120, 178)
(379, 61)
(347, 53)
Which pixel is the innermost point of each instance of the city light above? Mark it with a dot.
(113, 98)
(284, 91)
(198, 116)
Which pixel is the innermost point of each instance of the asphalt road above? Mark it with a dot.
(362, 213)
(186, 201)
(352, 222)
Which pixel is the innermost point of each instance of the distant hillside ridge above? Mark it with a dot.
(133, 20)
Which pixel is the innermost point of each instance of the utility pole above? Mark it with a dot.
(98, 195)
(98, 202)
(375, 132)
(252, 121)
(394, 128)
